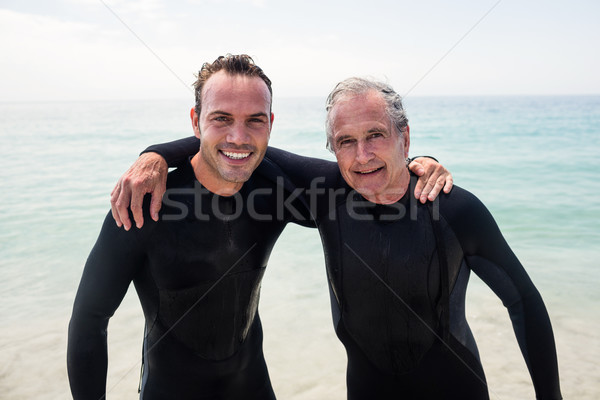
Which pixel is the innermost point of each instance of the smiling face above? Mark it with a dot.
(234, 128)
(370, 152)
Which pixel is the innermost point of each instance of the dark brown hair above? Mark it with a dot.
(241, 64)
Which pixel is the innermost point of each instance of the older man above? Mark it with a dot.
(399, 310)
(410, 338)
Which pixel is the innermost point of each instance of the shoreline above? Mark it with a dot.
(306, 361)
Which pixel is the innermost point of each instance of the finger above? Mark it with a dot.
(137, 199)
(122, 206)
(449, 183)
(422, 184)
(429, 186)
(114, 195)
(426, 190)
(416, 168)
(419, 188)
(436, 189)
(115, 190)
(156, 202)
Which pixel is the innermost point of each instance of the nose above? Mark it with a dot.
(237, 135)
(363, 153)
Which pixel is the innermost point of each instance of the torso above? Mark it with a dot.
(200, 288)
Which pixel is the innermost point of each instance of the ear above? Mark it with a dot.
(406, 141)
(271, 127)
(195, 121)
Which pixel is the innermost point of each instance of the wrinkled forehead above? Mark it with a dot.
(359, 110)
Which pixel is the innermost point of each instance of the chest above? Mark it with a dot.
(202, 248)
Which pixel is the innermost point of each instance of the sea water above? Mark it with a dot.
(533, 161)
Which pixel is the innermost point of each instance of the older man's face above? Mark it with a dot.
(370, 153)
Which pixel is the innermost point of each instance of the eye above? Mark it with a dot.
(257, 122)
(221, 118)
(346, 143)
(375, 135)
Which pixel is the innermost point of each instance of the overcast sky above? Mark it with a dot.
(134, 49)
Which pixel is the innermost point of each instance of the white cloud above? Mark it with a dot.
(54, 59)
(254, 3)
(141, 10)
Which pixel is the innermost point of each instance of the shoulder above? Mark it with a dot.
(181, 176)
(114, 243)
(469, 218)
(460, 204)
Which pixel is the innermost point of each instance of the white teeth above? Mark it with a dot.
(368, 172)
(236, 156)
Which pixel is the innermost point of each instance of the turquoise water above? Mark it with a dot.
(533, 161)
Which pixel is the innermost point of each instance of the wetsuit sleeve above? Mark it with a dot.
(312, 176)
(489, 256)
(108, 272)
(177, 152)
(319, 180)
(305, 171)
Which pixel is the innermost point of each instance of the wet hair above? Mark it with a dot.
(240, 64)
(356, 86)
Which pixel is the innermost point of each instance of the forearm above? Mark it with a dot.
(176, 152)
(87, 359)
(109, 269)
(533, 331)
(488, 254)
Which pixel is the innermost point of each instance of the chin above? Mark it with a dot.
(237, 177)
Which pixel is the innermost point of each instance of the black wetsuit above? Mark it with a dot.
(398, 276)
(197, 273)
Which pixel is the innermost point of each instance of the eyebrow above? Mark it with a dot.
(219, 112)
(377, 130)
(372, 130)
(260, 114)
(343, 137)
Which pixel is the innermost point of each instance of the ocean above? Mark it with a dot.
(533, 161)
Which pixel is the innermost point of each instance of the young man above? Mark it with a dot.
(197, 272)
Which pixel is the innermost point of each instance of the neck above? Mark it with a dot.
(211, 179)
(391, 195)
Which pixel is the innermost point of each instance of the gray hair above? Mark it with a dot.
(356, 86)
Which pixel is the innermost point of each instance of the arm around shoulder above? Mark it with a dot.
(433, 178)
(176, 152)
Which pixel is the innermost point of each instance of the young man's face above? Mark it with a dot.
(235, 125)
(370, 153)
